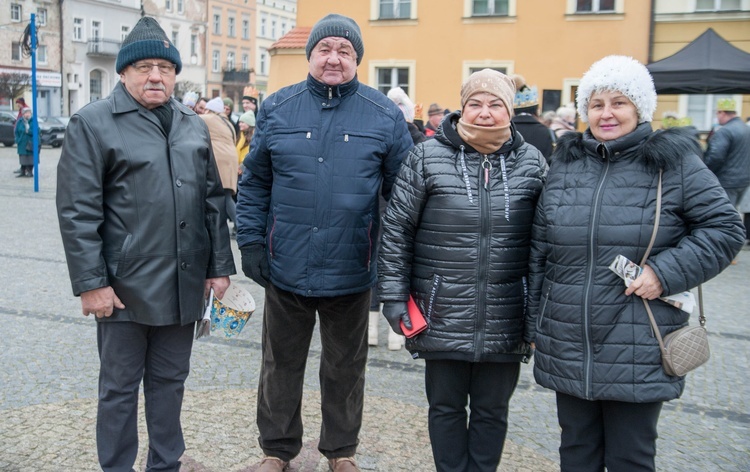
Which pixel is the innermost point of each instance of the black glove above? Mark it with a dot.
(395, 312)
(255, 263)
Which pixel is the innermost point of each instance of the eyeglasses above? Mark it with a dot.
(165, 68)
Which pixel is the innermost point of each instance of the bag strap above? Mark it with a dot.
(701, 317)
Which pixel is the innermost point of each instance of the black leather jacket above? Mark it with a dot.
(142, 212)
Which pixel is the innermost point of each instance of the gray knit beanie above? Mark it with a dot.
(146, 41)
(336, 25)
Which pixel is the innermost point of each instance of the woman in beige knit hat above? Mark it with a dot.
(456, 238)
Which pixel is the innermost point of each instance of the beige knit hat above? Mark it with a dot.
(490, 81)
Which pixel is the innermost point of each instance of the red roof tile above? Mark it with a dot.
(294, 39)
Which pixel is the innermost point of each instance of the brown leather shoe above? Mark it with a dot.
(343, 464)
(272, 464)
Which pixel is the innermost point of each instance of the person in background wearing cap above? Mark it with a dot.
(526, 117)
(308, 217)
(141, 213)
(728, 151)
(434, 116)
(247, 128)
(223, 139)
(21, 105)
(250, 100)
(189, 99)
(228, 109)
(456, 238)
(594, 343)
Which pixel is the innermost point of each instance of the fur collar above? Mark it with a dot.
(661, 149)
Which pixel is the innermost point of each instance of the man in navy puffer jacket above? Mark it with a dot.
(308, 218)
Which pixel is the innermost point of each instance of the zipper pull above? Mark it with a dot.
(487, 166)
(330, 94)
(346, 138)
(309, 133)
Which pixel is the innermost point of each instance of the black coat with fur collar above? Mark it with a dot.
(592, 341)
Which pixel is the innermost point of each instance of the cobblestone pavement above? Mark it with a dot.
(48, 373)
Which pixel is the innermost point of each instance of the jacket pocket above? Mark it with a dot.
(122, 261)
(543, 306)
(365, 142)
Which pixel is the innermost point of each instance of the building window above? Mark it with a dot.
(41, 16)
(217, 23)
(230, 61)
(490, 8)
(394, 9)
(180, 6)
(595, 6)
(717, 5)
(193, 44)
(124, 32)
(96, 28)
(231, 32)
(263, 27)
(168, 5)
(273, 29)
(15, 54)
(77, 29)
(283, 28)
(245, 29)
(41, 54)
(175, 37)
(95, 85)
(15, 12)
(245, 62)
(389, 77)
(215, 59)
(263, 61)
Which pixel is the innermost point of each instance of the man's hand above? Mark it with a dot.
(647, 285)
(395, 312)
(100, 302)
(255, 264)
(219, 284)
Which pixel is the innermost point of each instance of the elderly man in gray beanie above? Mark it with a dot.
(308, 220)
(141, 211)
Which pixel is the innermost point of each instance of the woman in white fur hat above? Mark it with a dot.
(594, 342)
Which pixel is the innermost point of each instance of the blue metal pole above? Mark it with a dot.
(34, 121)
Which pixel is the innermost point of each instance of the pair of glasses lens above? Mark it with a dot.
(165, 68)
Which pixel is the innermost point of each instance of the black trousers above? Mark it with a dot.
(160, 357)
(476, 445)
(620, 436)
(288, 324)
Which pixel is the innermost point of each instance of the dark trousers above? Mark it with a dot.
(458, 446)
(160, 356)
(620, 436)
(288, 324)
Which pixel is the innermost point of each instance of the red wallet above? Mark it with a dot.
(418, 323)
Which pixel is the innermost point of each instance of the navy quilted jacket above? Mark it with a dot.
(592, 341)
(318, 159)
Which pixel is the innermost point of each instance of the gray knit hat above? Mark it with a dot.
(147, 40)
(336, 25)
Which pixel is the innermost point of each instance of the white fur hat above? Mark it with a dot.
(399, 97)
(622, 74)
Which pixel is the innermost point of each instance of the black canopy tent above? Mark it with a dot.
(708, 65)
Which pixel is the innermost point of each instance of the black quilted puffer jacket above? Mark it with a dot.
(456, 236)
(592, 341)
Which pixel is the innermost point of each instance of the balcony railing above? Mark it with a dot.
(103, 47)
(232, 76)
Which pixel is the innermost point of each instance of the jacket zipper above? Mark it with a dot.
(484, 238)
(591, 266)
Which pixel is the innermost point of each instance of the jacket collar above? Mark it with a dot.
(614, 148)
(332, 92)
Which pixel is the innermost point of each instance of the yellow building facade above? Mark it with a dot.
(429, 47)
